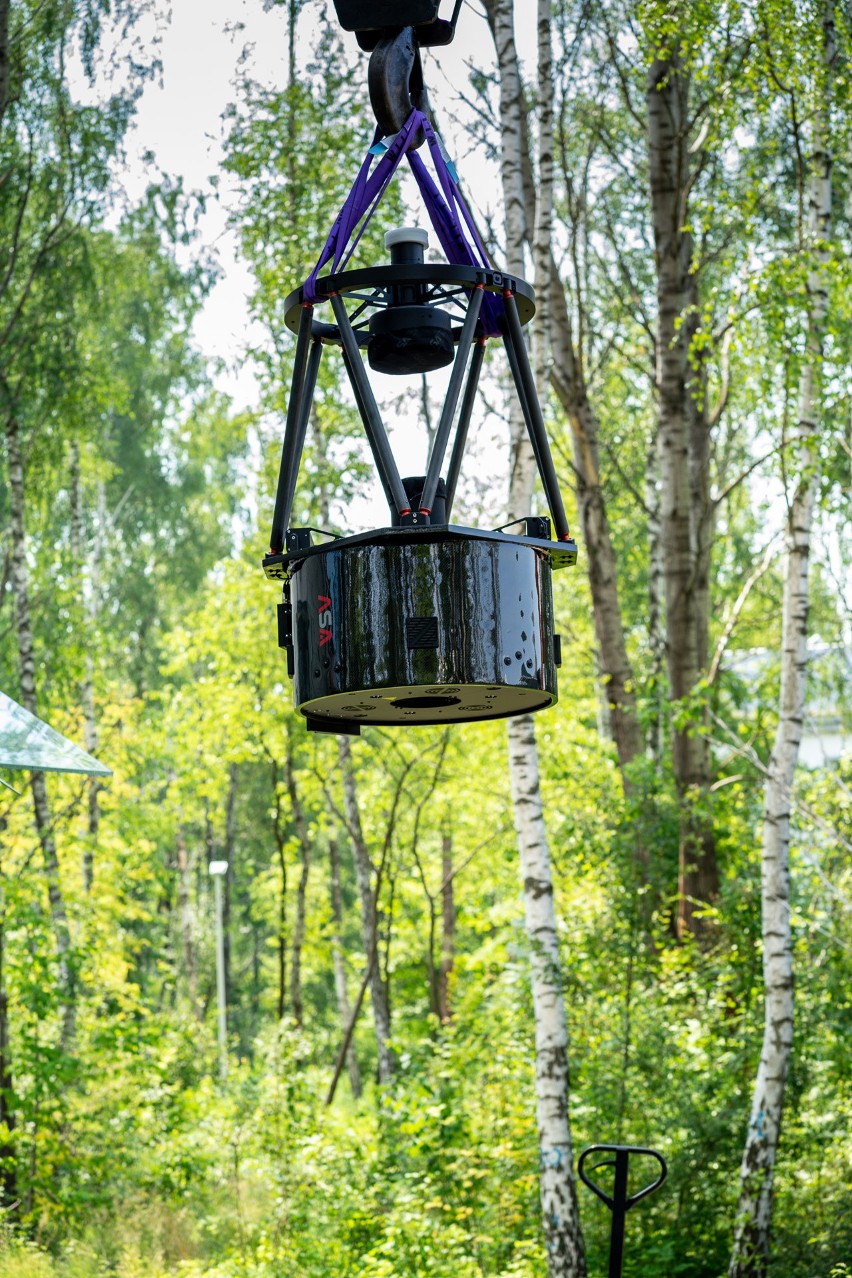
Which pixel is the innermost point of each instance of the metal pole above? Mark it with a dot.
(464, 422)
(301, 431)
(619, 1214)
(436, 461)
(620, 1200)
(525, 382)
(220, 971)
(289, 457)
(373, 425)
(363, 415)
(515, 369)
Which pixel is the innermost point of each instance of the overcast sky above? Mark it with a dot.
(179, 120)
(204, 46)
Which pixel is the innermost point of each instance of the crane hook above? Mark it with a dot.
(395, 80)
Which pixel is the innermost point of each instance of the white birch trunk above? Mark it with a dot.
(656, 629)
(568, 378)
(502, 18)
(563, 1237)
(751, 1251)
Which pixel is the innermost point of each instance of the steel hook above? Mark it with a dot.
(395, 80)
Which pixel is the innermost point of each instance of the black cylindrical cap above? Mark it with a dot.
(407, 245)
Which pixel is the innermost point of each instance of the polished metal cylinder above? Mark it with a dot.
(423, 632)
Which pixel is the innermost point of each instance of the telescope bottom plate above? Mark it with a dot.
(428, 704)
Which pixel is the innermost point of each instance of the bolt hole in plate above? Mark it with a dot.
(429, 703)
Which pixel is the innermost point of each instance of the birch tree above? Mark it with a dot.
(563, 1237)
(567, 375)
(751, 1251)
(683, 440)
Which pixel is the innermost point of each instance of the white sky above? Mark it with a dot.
(204, 46)
(179, 120)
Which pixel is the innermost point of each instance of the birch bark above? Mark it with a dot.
(563, 1237)
(568, 378)
(684, 457)
(751, 1250)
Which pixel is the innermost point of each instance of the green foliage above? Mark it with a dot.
(131, 1158)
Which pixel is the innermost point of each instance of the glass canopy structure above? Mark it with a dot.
(27, 742)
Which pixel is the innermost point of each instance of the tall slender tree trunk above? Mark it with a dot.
(301, 824)
(280, 846)
(560, 1213)
(684, 456)
(38, 785)
(228, 885)
(656, 606)
(186, 923)
(568, 378)
(8, 1155)
(338, 951)
(560, 1209)
(88, 578)
(4, 57)
(752, 1237)
(365, 872)
(448, 929)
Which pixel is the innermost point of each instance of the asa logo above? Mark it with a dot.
(324, 610)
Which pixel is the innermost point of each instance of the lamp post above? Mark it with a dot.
(218, 869)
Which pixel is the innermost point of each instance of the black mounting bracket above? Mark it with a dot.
(374, 20)
(394, 31)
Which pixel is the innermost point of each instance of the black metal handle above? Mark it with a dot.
(620, 1201)
(632, 1199)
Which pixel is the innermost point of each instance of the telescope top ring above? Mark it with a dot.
(371, 287)
(278, 565)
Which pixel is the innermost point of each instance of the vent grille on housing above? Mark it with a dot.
(421, 632)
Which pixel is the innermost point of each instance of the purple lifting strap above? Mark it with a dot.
(448, 213)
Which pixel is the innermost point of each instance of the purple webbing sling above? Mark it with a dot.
(448, 213)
